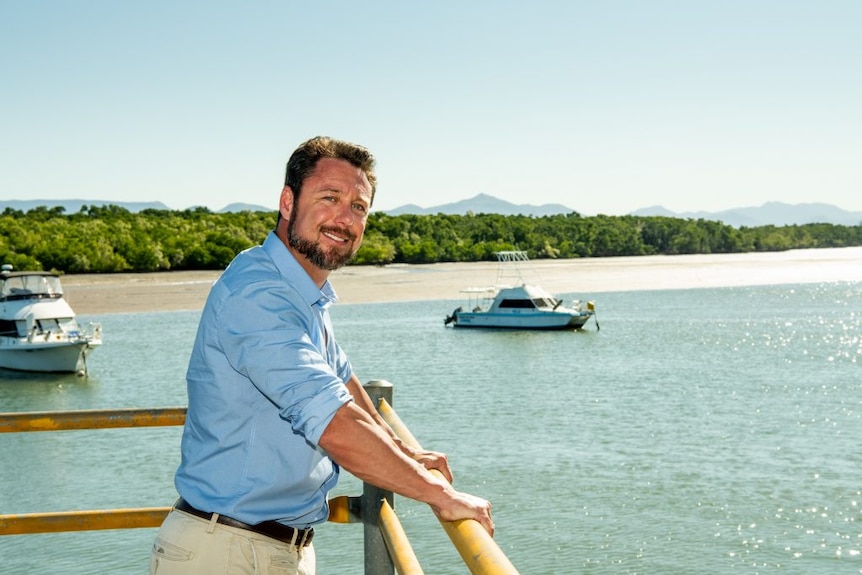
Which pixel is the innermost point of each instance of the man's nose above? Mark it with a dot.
(345, 214)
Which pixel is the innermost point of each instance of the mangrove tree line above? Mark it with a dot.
(107, 239)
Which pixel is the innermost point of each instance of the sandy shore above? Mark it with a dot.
(585, 278)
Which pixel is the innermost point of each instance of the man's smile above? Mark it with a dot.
(338, 235)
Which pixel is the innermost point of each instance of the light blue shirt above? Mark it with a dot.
(264, 380)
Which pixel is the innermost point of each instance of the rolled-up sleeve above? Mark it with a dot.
(272, 337)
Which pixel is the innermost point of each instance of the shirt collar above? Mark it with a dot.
(293, 272)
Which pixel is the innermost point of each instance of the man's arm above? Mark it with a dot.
(359, 444)
(428, 459)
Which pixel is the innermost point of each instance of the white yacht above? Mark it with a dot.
(38, 329)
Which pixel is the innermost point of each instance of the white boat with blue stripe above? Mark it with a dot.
(519, 306)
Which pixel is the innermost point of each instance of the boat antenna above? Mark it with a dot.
(510, 267)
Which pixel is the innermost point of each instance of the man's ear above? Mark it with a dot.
(285, 203)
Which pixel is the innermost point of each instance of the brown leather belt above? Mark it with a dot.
(274, 529)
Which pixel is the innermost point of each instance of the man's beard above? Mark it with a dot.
(331, 260)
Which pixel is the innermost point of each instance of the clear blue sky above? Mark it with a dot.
(605, 107)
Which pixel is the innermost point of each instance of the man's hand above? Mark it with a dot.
(461, 505)
(466, 506)
(433, 460)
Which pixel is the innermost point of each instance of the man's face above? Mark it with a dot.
(327, 223)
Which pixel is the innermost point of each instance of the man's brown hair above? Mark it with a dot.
(305, 157)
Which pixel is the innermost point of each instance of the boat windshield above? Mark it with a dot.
(517, 303)
(538, 303)
(29, 286)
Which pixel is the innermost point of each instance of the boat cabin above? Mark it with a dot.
(21, 287)
(29, 285)
(525, 297)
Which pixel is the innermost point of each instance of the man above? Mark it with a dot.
(274, 407)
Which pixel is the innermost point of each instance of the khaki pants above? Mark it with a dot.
(186, 544)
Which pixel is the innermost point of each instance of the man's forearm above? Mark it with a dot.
(357, 443)
(363, 400)
(368, 449)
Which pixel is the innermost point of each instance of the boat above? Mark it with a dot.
(38, 330)
(518, 306)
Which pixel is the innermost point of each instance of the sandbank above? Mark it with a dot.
(583, 278)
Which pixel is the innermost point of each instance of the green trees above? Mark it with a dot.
(111, 239)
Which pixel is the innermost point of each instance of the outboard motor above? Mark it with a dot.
(450, 318)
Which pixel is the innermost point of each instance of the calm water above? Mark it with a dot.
(699, 431)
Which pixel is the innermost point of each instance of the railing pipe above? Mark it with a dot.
(62, 521)
(91, 419)
(377, 559)
(345, 509)
(477, 548)
(342, 509)
(396, 539)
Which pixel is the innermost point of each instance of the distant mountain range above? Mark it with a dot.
(74, 206)
(484, 204)
(770, 213)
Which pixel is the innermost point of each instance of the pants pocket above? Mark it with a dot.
(168, 551)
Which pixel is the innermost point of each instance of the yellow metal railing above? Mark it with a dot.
(400, 550)
(56, 522)
(479, 551)
(91, 419)
(130, 518)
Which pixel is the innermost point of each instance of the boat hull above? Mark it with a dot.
(537, 321)
(51, 358)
